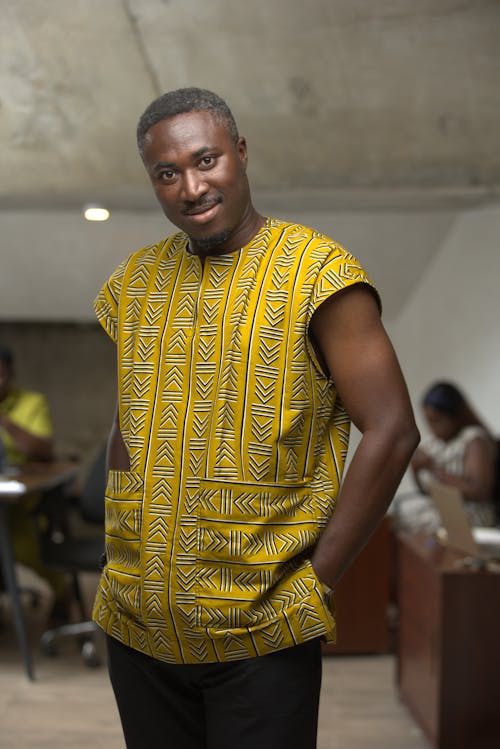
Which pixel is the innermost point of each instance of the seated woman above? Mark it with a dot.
(26, 433)
(459, 452)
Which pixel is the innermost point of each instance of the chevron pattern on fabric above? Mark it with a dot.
(237, 442)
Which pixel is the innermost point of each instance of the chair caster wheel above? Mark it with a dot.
(48, 644)
(89, 654)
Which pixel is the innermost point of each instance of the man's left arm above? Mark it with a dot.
(363, 366)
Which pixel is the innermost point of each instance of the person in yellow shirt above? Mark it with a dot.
(27, 435)
(25, 423)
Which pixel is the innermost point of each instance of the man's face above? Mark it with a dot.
(199, 176)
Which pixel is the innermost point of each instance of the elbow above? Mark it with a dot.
(406, 437)
(396, 435)
(401, 435)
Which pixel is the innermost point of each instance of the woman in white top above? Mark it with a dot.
(459, 452)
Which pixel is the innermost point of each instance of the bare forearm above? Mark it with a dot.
(33, 447)
(472, 488)
(369, 486)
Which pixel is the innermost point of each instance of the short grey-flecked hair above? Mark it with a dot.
(184, 100)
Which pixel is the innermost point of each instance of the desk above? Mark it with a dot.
(449, 645)
(34, 477)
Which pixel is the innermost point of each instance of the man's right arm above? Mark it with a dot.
(117, 457)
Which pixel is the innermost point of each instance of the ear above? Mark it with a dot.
(241, 147)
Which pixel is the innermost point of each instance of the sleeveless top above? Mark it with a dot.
(450, 456)
(237, 441)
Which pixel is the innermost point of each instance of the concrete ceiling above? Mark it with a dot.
(334, 96)
(377, 122)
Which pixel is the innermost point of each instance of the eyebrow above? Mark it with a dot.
(163, 165)
(171, 164)
(202, 150)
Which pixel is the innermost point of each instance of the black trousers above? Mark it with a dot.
(268, 702)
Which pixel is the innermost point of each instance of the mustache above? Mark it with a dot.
(201, 205)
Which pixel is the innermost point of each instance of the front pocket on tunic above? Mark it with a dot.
(123, 521)
(252, 538)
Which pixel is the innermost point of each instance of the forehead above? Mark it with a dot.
(184, 134)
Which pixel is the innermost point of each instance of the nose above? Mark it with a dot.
(193, 186)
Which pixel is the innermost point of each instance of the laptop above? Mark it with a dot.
(483, 543)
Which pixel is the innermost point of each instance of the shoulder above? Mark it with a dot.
(310, 240)
(19, 395)
(139, 263)
(151, 253)
(321, 255)
(27, 401)
(30, 410)
(326, 267)
(474, 432)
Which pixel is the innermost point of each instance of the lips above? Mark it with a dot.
(204, 213)
(198, 208)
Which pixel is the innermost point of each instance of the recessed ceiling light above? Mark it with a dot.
(96, 213)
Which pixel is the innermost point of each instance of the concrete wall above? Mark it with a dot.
(54, 262)
(450, 325)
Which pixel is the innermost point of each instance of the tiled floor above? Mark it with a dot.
(71, 706)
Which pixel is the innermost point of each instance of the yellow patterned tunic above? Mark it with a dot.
(237, 442)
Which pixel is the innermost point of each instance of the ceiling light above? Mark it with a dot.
(96, 213)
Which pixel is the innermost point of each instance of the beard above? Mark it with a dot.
(206, 245)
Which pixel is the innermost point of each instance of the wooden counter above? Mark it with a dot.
(448, 660)
(362, 598)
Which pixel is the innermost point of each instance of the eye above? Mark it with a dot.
(166, 175)
(207, 162)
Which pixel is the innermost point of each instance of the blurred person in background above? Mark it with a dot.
(25, 423)
(459, 452)
(27, 435)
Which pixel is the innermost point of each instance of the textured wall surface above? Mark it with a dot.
(449, 328)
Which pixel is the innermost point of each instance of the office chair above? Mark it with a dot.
(65, 550)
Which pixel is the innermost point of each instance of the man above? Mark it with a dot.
(242, 343)
(25, 423)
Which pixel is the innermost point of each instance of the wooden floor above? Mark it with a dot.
(71, 706)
